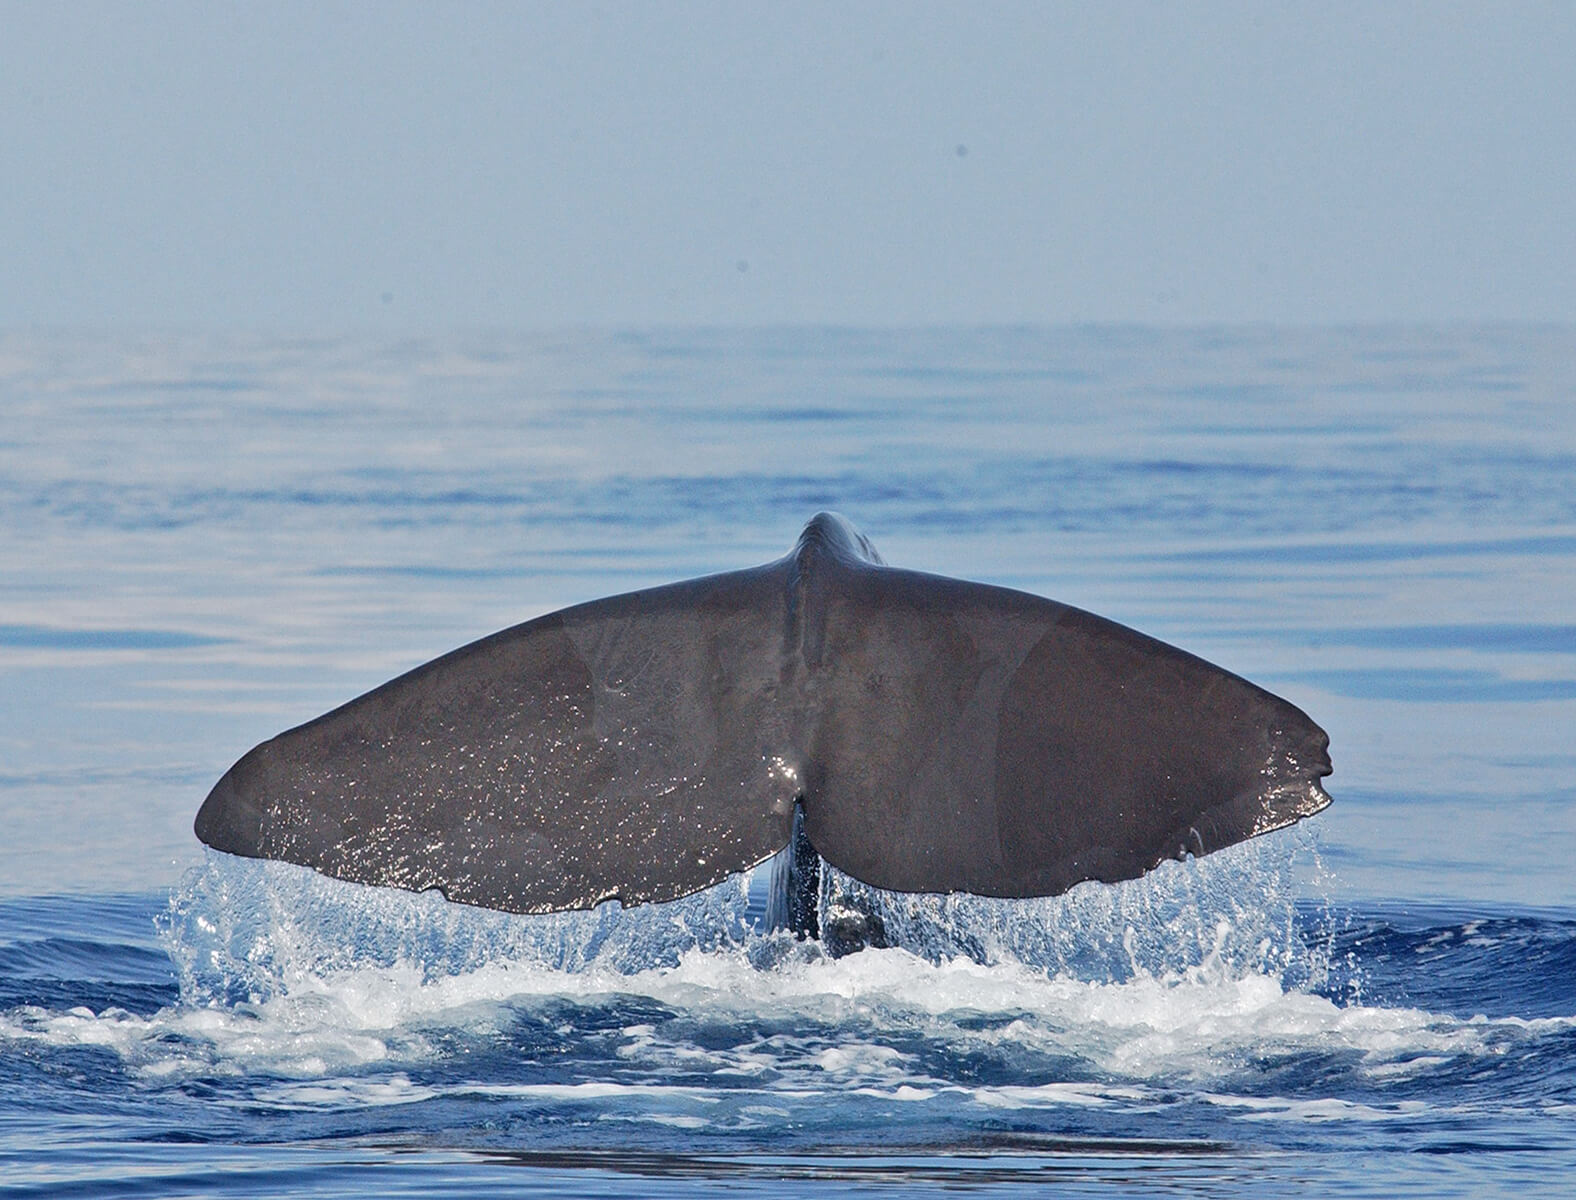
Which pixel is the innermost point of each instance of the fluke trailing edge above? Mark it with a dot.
(932, 735)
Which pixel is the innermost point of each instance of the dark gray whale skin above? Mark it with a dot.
(941, 736)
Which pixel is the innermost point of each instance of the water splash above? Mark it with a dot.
(246, 931)
(1232, 914)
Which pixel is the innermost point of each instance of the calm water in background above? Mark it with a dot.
(205, 541)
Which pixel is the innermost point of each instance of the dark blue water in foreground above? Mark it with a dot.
(203, 542)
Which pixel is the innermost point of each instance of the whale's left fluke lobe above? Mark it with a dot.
(937, 735)
(620, 749)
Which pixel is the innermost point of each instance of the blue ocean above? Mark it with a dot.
(205, 540)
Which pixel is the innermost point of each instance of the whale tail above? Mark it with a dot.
(932, 735)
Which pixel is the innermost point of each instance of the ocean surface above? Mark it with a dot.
(206, 540)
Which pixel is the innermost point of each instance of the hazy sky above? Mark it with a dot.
(325, 166)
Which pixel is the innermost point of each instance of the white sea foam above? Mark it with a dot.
(309, 993)
(839, 1028)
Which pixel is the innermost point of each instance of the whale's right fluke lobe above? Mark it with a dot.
(935, 735)
(984, 740)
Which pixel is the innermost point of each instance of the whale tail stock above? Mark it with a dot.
(934, 736)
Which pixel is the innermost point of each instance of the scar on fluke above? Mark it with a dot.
(919, 733)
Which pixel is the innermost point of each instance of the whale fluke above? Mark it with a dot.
(934, 736)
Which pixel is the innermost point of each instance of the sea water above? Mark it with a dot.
(206, 540)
